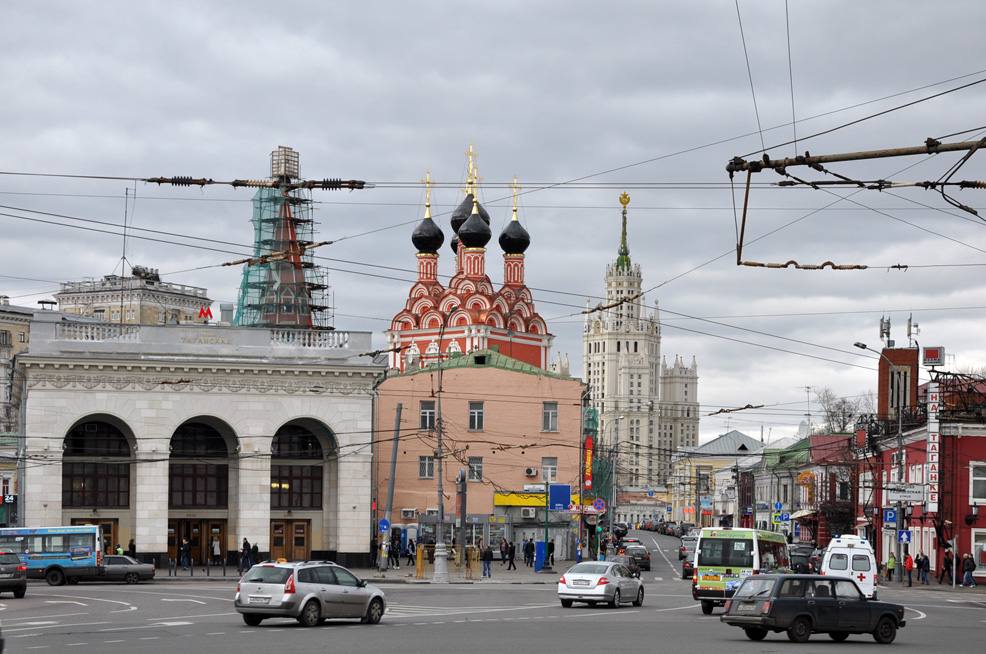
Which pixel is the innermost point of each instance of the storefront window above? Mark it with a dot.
(977, 481)
(979, 549)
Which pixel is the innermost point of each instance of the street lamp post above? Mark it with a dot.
(900, 451)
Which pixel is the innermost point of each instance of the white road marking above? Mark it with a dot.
(55, 615)
(679, 608)
(921, 614)
(149, 638)
(114, 641)
(74, 644)
(168, 599)
(37, 647)
(660, 551)
(216, 633)
(76, 624)
(37, 624)
(98, 599)
(64, 602)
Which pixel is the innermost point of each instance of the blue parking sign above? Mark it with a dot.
(890, 516)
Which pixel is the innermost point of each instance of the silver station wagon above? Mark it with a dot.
(310, 592)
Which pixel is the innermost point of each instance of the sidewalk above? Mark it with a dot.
(404, 575)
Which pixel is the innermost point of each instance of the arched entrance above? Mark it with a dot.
(302, 497)
(199, 481)
(96, 477)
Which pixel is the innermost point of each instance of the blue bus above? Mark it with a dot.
(57, 554)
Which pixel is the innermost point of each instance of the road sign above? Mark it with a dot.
(384, 524)
(559, 497)
(778, 506)
(779, 517)
(905, 493)
(650, 493)
(668, 508)
(890, 518)
(599, 504)
(797, 529)
(903, 536)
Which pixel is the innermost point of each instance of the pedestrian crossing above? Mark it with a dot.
(414, 611)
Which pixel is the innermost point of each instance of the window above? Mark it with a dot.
(549, 416)
(549, 466)
(793, 588)
(475, 468)
(844, 490)
(979, 549)
(860, 563)
(839, 562)
(426, 467)
(977, 479)
(86, 484)
(427, 415)
(846, 590)
(475, 416)
(21, 337)
(345, 578)
(198, 485)
(295, 487)
(773, 554)
(820, 589)
(325, 575)
(716, 552)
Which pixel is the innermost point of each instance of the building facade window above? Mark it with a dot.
(88, 479)
(426, 467)
(22, 337)
(977, 481)
(476, 416)
(475, 468)
(295, 487)
(549, 467)
(194, 485)
(427, 413)
(549, 416)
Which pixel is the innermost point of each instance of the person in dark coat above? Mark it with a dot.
(511, 555)
(394, 555)
(968, 567)
(132, 549)
(412, 552)
(488, 562)
(374, 547)
(946, 567)
(186, 554)
(551, 552)
(255, 553)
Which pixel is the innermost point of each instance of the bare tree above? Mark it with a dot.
(840, 412)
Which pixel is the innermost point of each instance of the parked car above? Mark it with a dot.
(124, 568)
(685, 528)
(687, 548)
(13, 576)
(597, 582)
(620, 529)
(668, 528)
(311, 592)
(805, 604)
(687, 569)
(639, 554)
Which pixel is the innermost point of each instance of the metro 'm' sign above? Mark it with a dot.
(205, 312)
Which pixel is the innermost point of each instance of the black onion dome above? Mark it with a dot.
(475, 233)
(462, 212)
(427, 236)
(454, 244)
(514, 239)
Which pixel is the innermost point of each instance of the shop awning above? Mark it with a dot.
(802, 514)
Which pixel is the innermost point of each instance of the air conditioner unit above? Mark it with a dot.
(531, 472)
(528, 512)
(409, 513)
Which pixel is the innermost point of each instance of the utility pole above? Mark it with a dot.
(698, 497)
(440, 575)
(382, 560)
(547, 512)
(462, 488)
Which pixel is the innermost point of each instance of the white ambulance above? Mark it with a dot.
(852, 556)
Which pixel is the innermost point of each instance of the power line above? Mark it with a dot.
(749, 72)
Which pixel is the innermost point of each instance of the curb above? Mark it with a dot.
(372, 580)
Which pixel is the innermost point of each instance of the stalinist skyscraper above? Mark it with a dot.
(647, 408)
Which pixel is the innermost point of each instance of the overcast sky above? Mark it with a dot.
(547, 91)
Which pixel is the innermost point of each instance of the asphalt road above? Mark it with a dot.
(198, 616)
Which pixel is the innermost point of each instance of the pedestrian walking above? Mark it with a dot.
(551, 552)
(119, 550)
(394, 555)
(968, 567)
(412, 551)
(217, 551)
(255, 553)
(488, 562)
(924, 568)
(909, 569)
(503, 550)
(132, 549)
(602, 549)
(245, 556)
(511, 555)
(891, 565)
(374, 548)
(946, 567)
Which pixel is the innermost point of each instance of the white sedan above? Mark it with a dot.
(593, 582)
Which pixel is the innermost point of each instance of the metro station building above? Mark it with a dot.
(165, 432)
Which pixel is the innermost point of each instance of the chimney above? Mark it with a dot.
(226, 314)
(4, 300)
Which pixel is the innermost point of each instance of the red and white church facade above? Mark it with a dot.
(469, 314)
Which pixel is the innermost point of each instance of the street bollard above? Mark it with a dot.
(419, 563)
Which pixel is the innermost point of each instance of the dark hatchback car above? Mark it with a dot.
(805, 604)
(639, 554)
(13, 575)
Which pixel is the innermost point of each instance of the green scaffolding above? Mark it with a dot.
(282, 287)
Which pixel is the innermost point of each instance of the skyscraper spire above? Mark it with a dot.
(623, 260)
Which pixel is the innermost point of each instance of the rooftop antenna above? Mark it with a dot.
(885, 331)
(913, 330)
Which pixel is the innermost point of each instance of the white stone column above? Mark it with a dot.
(353, 502)
(252, 504)
(150, 500)
(42, 483)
